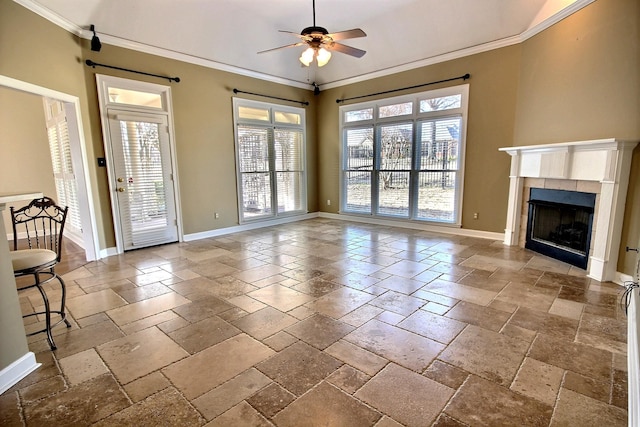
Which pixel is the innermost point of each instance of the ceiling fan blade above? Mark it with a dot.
(292, 33)
(348, 34)
(282, 47)
(343, 48)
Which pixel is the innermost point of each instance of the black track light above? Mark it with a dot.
(316, 89)
(95, 41)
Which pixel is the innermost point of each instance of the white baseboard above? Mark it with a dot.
(17, 371)
(390, 223)
(620, 278)
(246, 227)
(416, 226)
(104, 253)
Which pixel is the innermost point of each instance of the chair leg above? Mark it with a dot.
(63, 314)
(47, 313)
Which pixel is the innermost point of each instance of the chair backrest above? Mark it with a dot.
(42, 221)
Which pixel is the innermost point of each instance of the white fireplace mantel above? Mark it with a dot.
(607, 161)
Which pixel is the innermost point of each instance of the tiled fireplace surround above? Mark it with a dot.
(599, 166)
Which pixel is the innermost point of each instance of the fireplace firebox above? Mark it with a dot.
(559, 224)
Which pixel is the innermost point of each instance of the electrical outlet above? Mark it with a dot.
(328, 202)
(475, 215)
(216, 215)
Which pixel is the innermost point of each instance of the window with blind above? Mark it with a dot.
(270, 156)
(403, 157)
(63, 175)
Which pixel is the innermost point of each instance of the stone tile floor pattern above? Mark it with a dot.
(331, 323)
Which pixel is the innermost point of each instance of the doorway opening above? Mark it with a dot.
(88, 239)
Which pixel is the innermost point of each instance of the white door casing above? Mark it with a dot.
(137, 126)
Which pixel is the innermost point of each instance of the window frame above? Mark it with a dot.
(416, 118)
(271, 126)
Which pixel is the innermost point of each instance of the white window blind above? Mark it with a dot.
(270, 156)
(63, 175)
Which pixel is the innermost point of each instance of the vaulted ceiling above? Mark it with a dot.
(227, 34)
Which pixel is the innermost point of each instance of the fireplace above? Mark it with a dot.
(599, 166)
(559, 224)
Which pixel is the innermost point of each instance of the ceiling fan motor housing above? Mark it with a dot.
(314, 31)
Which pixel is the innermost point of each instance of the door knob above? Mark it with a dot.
(121, 190)
(120, 179)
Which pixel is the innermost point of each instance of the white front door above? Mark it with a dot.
(142, 176)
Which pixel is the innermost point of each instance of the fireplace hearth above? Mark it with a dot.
(559, 224)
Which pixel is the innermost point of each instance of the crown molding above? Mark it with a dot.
(191, 59)
(485, 47)
(481, 48)
(165, 53)
(555, 18)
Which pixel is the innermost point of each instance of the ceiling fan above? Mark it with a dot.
(320, 43)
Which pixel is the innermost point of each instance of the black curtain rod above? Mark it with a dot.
(90, 63)
(465, 77)
(272, 97)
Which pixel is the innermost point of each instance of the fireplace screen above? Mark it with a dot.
(559, 224)
(566, 227)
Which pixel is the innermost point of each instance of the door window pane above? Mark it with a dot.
(253, 149)
(256, 194)
(290, 191)
(436, 196)
(288, 148)
(393, 194)
(396, 143)
(358, 191)
(359, 158)
(144, 175)
(439, 144)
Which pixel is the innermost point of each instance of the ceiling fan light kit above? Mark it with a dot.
(320, 43)
(322, 56)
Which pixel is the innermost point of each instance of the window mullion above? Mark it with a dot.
(272, 171)
(415, 167)
(375, 173)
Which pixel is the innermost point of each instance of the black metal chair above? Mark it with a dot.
(42, 221)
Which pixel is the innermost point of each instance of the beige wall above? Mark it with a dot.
(203, 117)
(35, 51)
(580, 80)
(576, 80)
(26, 161)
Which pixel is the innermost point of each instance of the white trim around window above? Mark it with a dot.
(270, 146)
(403, 157)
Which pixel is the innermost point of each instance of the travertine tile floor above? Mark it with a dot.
(330, 323)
